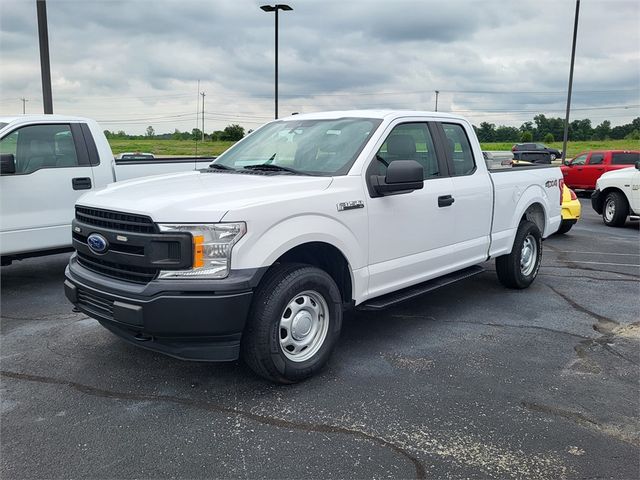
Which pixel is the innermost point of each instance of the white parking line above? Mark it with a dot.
(596, 253)
(603, 263)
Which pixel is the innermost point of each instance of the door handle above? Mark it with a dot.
(445, 200)
(81, 183)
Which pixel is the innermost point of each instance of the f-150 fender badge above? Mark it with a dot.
(350, 205)
(551, 183)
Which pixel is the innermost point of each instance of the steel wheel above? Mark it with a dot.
(528, 255)
(610, 209)
(303, 326)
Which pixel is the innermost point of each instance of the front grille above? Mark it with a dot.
(115, 220)
(92, 302)
(118, 270)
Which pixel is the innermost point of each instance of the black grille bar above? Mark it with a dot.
(125, 222)
(117, 270)
(92, 302)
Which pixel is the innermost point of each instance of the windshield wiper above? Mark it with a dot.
(274, 168)
(219, 166)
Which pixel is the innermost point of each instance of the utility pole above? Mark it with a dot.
(45, 67)
(24, 101)
(573, 57)
(437, 93)
(203, 95)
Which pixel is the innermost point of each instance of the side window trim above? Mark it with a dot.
(439, 140)
(81, 149)
(94, 156)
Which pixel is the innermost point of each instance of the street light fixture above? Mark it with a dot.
(275, 8)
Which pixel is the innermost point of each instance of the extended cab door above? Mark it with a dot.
(52, 169)
(472, 209)
(409, 233)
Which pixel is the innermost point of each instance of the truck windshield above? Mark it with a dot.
(312, 147)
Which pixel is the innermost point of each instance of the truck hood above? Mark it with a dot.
(199, 196)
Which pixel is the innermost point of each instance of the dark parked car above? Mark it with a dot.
(536, 147)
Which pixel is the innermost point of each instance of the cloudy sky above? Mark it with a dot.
(135, 63)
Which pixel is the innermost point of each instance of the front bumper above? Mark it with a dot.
(596, 201)
(188, 319)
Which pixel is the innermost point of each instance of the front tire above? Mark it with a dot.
(615, 210)
(520, 268)
(294, 323)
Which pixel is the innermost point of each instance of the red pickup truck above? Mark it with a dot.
(582, 171)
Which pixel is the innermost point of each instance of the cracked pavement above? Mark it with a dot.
(471, 381)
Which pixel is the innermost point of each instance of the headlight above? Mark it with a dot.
(212, 246)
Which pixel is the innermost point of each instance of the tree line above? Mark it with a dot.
(231, 133)
(544, 129)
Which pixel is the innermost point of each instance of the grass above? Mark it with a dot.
(574, 148)
(169, 147)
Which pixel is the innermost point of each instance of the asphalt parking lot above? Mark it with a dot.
(471, 381)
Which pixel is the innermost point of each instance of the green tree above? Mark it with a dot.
(602, 131)
(233, 133)
(548, 138)
(487, 132)
(217, 135)
(176, 135)
(150, 132)
(507, 134)
(633, 135)
(526, 136)
(196, 134)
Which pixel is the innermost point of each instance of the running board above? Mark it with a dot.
(390, 299)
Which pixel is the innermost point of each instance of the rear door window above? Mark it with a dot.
(459, 148)
(625, 158)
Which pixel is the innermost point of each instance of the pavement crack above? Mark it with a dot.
(583, 420)
(420, 472)
(524, 327)
(601, 318)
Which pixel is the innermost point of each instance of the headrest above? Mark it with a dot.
(401, 145)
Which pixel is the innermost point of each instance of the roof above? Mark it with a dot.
(42, 118)
(381, 114)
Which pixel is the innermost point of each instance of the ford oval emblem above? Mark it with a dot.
(97, 243)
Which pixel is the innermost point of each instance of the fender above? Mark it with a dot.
(262, 249)
(502, 241)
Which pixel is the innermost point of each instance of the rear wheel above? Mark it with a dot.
(615, 210)
(294, 324)
(520, 268)
(565, 226)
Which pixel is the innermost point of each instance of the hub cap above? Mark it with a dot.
(529, 255)
(303, 326)
(609, 210)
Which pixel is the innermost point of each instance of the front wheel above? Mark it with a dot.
(520, 268)
(294, 323)
(615, 210)
(553, 156)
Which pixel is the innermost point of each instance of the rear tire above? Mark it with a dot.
(565, 226)
(520, 268)
(615, 210)
(294, 324)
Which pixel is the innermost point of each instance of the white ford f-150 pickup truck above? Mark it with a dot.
(48, 161)
(259, 254)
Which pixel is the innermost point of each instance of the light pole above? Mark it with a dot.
(45, 67)
(573, 57)
(275, 8)
(437, 93)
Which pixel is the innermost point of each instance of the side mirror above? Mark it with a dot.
(638, 165)
(7, 164)
(403, 176)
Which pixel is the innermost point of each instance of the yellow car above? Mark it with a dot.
(571, 209)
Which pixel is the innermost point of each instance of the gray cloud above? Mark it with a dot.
(134, 63)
